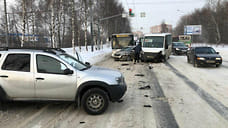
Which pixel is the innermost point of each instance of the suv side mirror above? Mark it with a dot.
(87, 63)
(68, 71)
(217, 52)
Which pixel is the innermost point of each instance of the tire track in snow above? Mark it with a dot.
(162, 111)
(214, 103)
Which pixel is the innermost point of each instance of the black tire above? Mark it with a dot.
(2, 99)
(95, 101)
(217, 65)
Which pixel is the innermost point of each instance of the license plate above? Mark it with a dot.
(150, 57)
(210, 61)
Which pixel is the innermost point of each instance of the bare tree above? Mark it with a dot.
(73, 25)
(23, 22)
(164, 28)
(212, 5)
(85, 21)
(6, 24)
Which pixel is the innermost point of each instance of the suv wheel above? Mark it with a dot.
(95, 101)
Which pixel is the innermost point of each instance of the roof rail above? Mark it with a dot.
(3, 48)
(45, 49)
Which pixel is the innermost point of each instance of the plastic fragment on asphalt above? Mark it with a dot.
(149, 106)
(146, 96)
(124, 64)
(139, 75)
(145, 87)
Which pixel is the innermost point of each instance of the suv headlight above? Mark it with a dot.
(120, 80)
(177, 49)
(200, 58)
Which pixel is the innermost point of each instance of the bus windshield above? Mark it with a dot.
(153, 42)
(119, 42)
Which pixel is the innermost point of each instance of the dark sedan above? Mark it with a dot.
(203, 56)
(179, 48)
(126, 53)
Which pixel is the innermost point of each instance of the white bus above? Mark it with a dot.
(156, 47)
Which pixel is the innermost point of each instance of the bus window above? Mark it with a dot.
(122, 40)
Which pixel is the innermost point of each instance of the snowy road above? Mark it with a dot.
(179, 96)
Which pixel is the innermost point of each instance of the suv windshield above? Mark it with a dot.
(153, 42)
(205, 50)
(73, 62)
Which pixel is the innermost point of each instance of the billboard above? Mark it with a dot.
(192, 29)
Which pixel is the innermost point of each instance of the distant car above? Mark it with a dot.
(179, 48)
(203, 56)
(126, 54)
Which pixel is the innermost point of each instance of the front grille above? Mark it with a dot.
(183, 48)
(210, 58)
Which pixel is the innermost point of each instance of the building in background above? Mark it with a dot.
(162, 28)
(138, 34)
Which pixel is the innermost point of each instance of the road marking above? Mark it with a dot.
(214, 103)
(162, 111)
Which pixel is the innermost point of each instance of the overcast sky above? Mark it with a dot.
(158, 10)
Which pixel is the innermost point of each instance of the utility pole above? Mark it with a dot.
(6, 25)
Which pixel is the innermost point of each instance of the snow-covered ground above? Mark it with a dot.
(89, 56)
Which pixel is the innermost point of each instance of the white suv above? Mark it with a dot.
(51, 74)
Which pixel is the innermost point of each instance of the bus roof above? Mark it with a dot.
(158, 34)
(123, 34)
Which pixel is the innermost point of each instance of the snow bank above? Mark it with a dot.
(89, 56)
